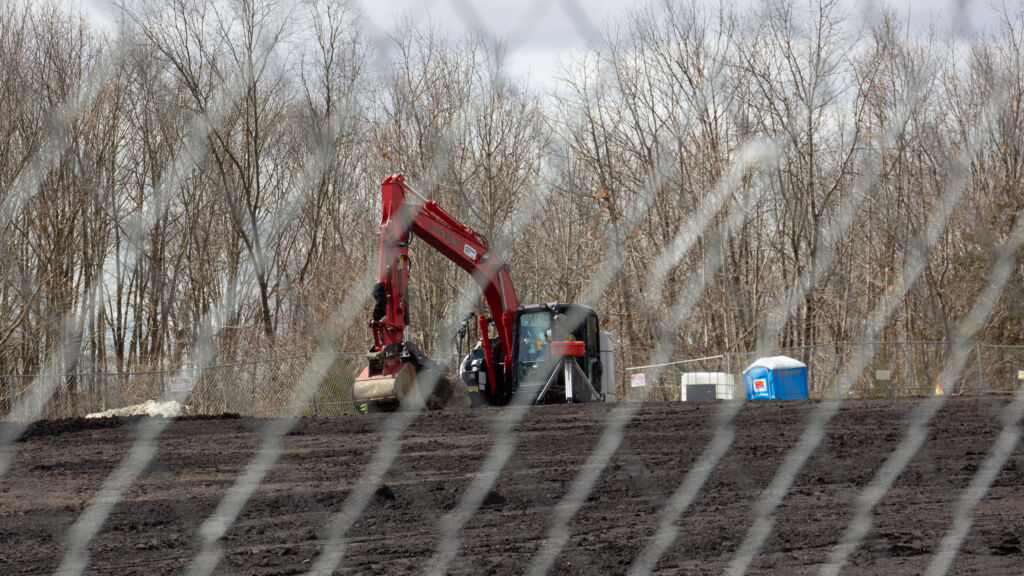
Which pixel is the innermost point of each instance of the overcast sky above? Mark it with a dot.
(544, 31)
(547, 30)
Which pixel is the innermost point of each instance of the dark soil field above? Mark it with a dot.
(153, 530)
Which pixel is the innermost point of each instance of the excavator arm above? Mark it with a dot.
(406, 214)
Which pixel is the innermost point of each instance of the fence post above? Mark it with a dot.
(981, 371)
(835, 368)
(911, 377)
(10, 389)
(728, 370)
(309, 362)
(674, 392)
(91, 378)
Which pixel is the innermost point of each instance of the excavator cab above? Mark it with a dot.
(545, 338)
(547, 334)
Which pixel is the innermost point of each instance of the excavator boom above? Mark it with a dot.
(393, 361)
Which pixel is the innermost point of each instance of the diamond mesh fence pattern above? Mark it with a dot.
(206, 176)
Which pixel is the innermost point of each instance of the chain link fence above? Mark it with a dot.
(273, 387)
(897, 369)
(262, 388)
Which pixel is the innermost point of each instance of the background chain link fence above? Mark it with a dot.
(261, 388)
(897, 369)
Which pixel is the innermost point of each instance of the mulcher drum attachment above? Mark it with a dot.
(418, 376)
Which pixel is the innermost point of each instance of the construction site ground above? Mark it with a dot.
(60, 466)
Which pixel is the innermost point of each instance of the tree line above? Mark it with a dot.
(205, 175)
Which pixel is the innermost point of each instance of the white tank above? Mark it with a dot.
(706, 386)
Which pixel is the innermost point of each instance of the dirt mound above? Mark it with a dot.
(60, 466)
(45, 428)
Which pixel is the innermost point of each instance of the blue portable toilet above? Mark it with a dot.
(776, 377)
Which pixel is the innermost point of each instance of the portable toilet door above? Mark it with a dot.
(776, 377)
(758, 381)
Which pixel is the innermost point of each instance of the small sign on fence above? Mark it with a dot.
(638, 380)
(883, 375)
(1020, 374)
(181, 383)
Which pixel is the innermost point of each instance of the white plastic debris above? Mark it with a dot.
(169, 409)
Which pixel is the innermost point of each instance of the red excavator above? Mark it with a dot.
(543, 353)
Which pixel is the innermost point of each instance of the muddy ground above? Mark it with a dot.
(153, 530)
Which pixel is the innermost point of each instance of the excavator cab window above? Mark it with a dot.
(575, 324)
(564, 328)
(534, 337)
